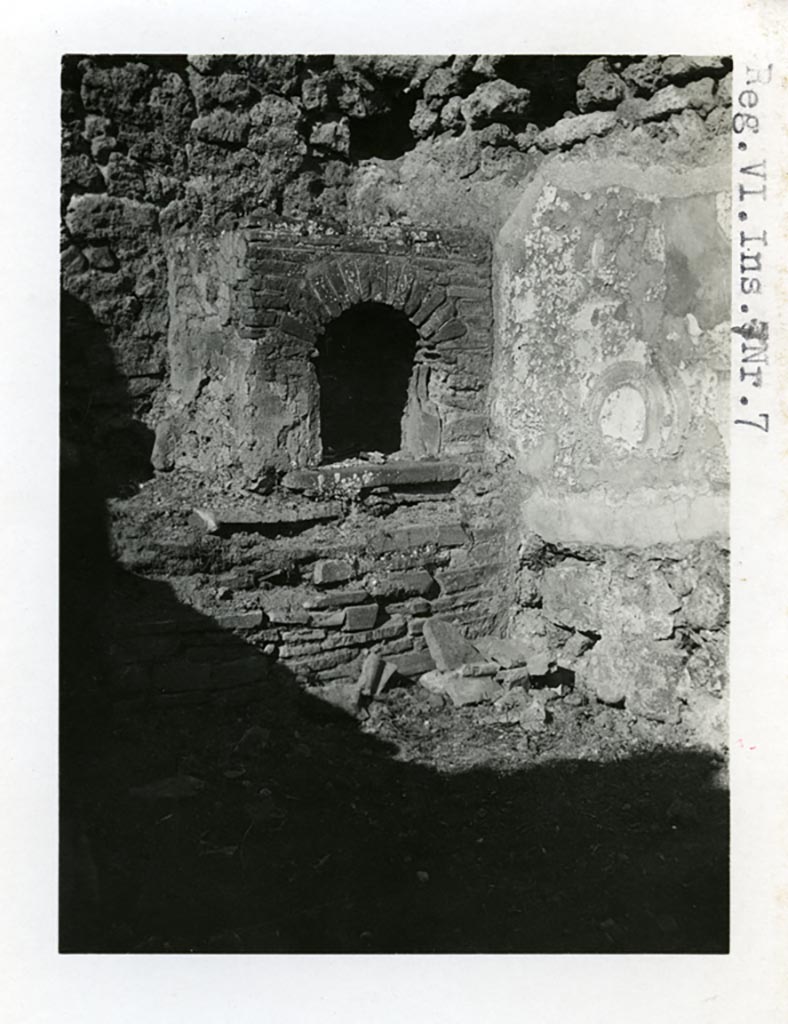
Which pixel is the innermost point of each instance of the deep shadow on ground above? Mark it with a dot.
(420, 830)
(302, 830)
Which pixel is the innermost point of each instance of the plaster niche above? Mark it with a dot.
(292, 345)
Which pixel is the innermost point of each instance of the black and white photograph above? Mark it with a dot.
(394, 518)
(394, 593)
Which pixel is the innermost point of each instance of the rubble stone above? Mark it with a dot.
(673, 100)
(534, 715)
(412, 664)
(462, 690)
(593, 598)
(639, 671)
(448, 646)
(572, 130)
(507, 653)
(600, 87)
(707, 605)
(329, 571)
(496, 101)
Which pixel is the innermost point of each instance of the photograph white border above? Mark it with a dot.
(38, 985)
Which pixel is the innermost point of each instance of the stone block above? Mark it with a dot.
(497, 101)
(299, 650)
(395, 627)
(400, 585)
(672, 100)
(403, 539)
(328, 620)
(398, 646)
(413, 663)
(329, 571)
(287, 617)
(465, 599)
(641, 672)
(680, 68)
(339, 694)
(360, 616)
(102, 217)
(375, 676)
(318, 662)
(450, 331)
(414, 606)
(600, 87)
(428, 306)
(390, 474)
(454, 580)
(448, 646)
(222, 127)
(513, 677)
(707, 605)
(462, 690)
(336, 599)
(593, 598)
(574, 648)
(239, 620)
(452, 535)
(571, 130)
(706, 717)
(506, 653)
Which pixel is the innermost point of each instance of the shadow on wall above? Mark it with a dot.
(278, 825)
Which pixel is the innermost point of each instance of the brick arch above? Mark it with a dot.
(335, 285)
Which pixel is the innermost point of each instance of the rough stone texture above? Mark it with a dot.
(219, 213)
(575, 129)
(672, 99)
(329, 571)
(600, 88)
(707, 717)
(462, 690)
(594, 598)
(244, 388)
(496, 101)
(642, 673)
(448, 646)
(507, 653)
(707, 605)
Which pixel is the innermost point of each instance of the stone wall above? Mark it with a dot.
(555, 230)
(154, 146)
(314, 576)
(247, 309)
(611, 380)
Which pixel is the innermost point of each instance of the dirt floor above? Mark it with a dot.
(284, 825)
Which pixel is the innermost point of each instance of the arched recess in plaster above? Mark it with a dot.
(337, 285)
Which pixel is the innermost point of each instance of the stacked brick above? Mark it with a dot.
(300, 277)
(346, 588)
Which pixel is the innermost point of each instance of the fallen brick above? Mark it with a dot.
(448, 646)
(413, 663)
